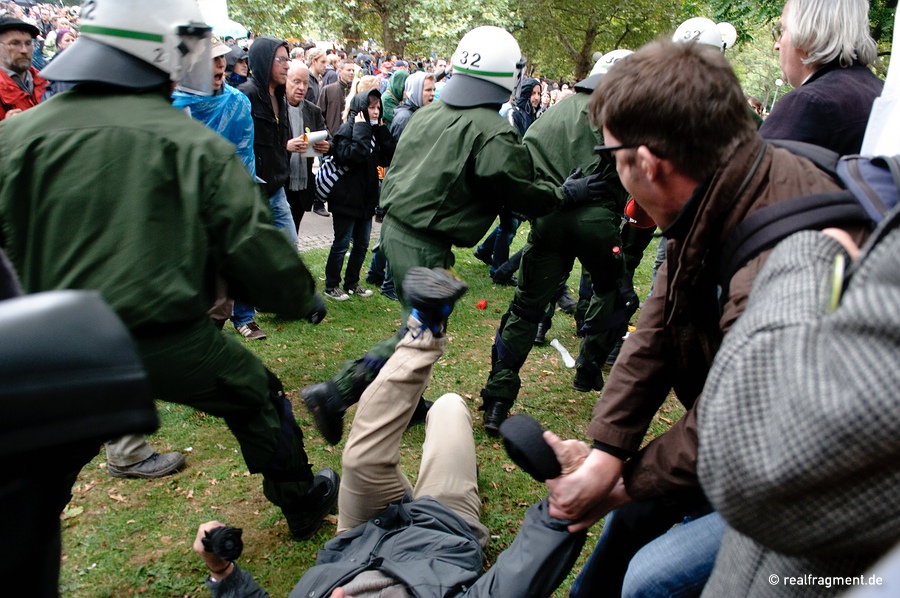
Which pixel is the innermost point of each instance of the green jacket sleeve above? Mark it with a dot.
(505, 167)
(255, 259)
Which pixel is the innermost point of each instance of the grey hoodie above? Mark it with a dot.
(412, 101)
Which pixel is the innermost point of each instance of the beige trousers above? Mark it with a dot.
(371, 476)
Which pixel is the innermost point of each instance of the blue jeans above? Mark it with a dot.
(379, 268)
(659, 261)
(678, 563)
(497, 243)
(625, 531)
(347, 229)
(242, 314)
(281, 215)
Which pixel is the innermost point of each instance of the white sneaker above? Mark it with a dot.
(360, 292)
(336, 294)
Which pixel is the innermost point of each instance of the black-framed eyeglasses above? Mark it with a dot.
(777, 32)
(606, 152)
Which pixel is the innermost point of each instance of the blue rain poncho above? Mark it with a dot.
(227, 114)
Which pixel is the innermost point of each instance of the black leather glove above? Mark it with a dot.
(580, 189)
(318, 311)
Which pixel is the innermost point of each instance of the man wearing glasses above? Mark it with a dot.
(678, 130)
(21, 87)
(269, 60)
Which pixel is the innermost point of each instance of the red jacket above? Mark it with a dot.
(12, 96)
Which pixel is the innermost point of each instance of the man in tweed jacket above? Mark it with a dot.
(799, 450)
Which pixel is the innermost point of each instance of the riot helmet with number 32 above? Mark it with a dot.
(487, 69)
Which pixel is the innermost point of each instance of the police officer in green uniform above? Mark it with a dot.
(110, 188)
(458, 163)
(563, 140)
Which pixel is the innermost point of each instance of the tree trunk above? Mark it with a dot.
(583, 62)
(389, 38)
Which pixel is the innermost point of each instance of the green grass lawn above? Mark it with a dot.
(132, 537)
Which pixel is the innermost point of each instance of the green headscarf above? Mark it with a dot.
(393, 95)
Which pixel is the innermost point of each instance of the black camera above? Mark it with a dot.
(225, 542)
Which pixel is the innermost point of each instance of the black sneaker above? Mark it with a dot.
(320, 210)
(495, 413)
(432, 293)
(588, 377)
(327, 408)
(510, 281)
(320, 501)
(374, 279)
(482, 257)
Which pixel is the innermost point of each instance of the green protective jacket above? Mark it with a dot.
(561, 144)
(124, 194)
(455, 168)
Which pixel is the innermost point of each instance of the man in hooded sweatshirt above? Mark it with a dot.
(265, 87)
(237, 67)
(418, 91)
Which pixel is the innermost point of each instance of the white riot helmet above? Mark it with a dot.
(487, 69)
(139, 44)
(705, 31)
(603, 64)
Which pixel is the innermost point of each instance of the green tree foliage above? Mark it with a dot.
(560, 36)
(404, 27)
(752, 17)
(756, 64)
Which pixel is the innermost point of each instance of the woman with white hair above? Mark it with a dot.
(825, 51)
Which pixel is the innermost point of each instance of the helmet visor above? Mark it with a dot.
(196, 61)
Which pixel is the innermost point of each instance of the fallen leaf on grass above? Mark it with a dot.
(71, 511)
(117, 497)
(509, 467)
(332, 519)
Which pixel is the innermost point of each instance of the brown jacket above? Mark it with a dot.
(681, 326)
(331, 102)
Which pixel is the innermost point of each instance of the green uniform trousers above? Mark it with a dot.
(588, 233)
(199, 366)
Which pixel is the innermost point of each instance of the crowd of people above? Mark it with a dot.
(785, 464)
